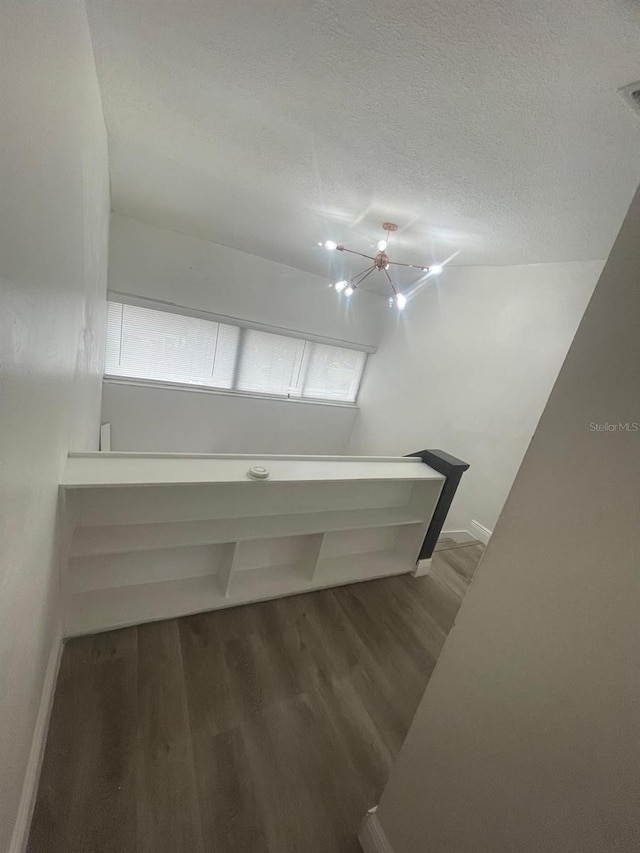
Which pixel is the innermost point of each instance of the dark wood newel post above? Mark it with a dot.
(453, 469)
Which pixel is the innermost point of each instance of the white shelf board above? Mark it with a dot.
(102, 610)
(361, 567)
(122, 538)
(266, 582)
(295, 457)
(105, 470)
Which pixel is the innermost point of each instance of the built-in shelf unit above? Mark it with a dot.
(153, 536)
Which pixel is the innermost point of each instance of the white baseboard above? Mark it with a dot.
(32, 774)
(481, 532)
(423, 567)
(371, 835)
(458, 536)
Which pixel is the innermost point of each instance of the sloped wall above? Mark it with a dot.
(161, 264)
(528, 735)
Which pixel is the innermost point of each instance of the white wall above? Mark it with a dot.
(158, 419)
(54, 212)
(468, 367)
(528, 735)
(160, 264)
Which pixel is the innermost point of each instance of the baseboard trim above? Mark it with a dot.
(481, 532)
(458, 536)
(32, 774)
(423, 567)
(371, 835)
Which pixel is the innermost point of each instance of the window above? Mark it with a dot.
(159, 346)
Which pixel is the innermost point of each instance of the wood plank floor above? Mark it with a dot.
(268, 728)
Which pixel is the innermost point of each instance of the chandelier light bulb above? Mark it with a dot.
(382, 245)
(330, 245)
(340, 285)
(348, 291)
(401, 301)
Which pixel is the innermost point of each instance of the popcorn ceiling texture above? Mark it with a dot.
(491, 128)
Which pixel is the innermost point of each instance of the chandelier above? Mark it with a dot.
(380, 262)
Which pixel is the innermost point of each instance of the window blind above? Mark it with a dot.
(161, 346)
(334, 373)
(146, 344)
(271, 364)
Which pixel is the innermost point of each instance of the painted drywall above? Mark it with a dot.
(468, 367)
(164, 265)
(528, 735)
(54, 212)
(161, 419)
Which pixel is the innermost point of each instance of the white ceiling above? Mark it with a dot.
(490, 128)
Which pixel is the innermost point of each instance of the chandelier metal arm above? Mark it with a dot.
(393, 287)
(367, 272)
(353, 252)
(413, 266)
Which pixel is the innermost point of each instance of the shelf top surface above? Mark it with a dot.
(96, 470)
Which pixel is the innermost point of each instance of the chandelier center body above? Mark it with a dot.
(381, 260)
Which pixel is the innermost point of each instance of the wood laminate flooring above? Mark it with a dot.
(267, 728)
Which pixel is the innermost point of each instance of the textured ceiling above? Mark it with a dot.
(489, 128)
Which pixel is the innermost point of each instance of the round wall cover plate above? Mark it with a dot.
(258, 472)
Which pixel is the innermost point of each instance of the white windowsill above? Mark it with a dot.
(202, 389)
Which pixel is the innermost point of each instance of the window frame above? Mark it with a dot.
(243, 326)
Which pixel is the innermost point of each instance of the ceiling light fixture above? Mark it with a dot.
(381, 263)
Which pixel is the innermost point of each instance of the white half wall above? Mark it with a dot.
(54, 213)
(163, 265)
(173, 420)
(528, 735)
(468, 367)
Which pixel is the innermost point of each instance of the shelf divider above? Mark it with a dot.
(226, 567)
(311, 554)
